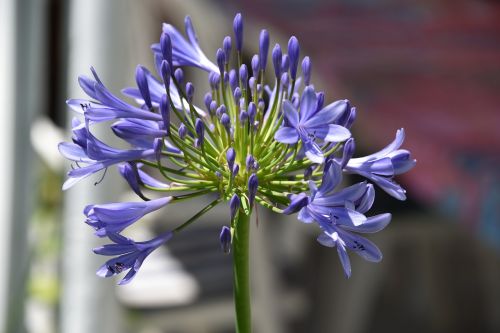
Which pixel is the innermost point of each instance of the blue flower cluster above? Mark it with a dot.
(251, 143)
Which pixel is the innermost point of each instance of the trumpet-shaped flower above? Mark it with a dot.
(341, 213)
(129, 255)
(309, 124)
(115, 217)
(186, 53)
(382, 166)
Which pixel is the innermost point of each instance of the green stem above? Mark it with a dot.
(241, 276)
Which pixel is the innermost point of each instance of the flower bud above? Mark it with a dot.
(236, 169)
(243, 117)
(225, 239)
(250, 162)
(285, 63)
(179, 75)
(233, 79)
(234, 205)
(285, 81)
(277, 57)
(207, 99)
(293, 53)
(166, 47)
(253, 183)
(142, 83)
(230, 157)
(263, 48)
(251, 83)
(306, 70)
(182, 131)
(252, 111)
(165, 72)
(226, 122)
(237, 95)
(200, 130)
(220, 56)
(226, 45)
(220, 111)
(214, 80)
(255, 65)
(189, 92)
(238, 31)
(165, 113)
(244, 76)
(213, 107)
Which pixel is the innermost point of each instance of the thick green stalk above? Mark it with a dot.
(241, 272)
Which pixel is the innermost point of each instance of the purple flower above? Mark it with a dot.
(382, 166)
(95, 154)
(115, 217)
(130, 255)
(341, 213)
(310, 124)
(185, 53)
(109, 106)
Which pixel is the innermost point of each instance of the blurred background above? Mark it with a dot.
(430, 66)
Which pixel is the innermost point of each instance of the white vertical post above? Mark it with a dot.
(7, 85)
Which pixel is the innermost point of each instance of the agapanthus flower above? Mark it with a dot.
(277, 144)
(340, 215)
(129, 254)
(382, 166)
(309, 124)
(113, 218)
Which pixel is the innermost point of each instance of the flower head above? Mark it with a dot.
(280, 145)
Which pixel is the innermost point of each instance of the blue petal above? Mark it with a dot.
(331, 179)
(352, 193)
(401, 161)
(327, 115)
(386, 184)
(330, 133)
(373, 224)
(344, 260)
(305, 216)
(99, 114)
(308, 104)
(288, 135)
(366, 201)
(312, 151)
(291, 114)
(362, 246)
